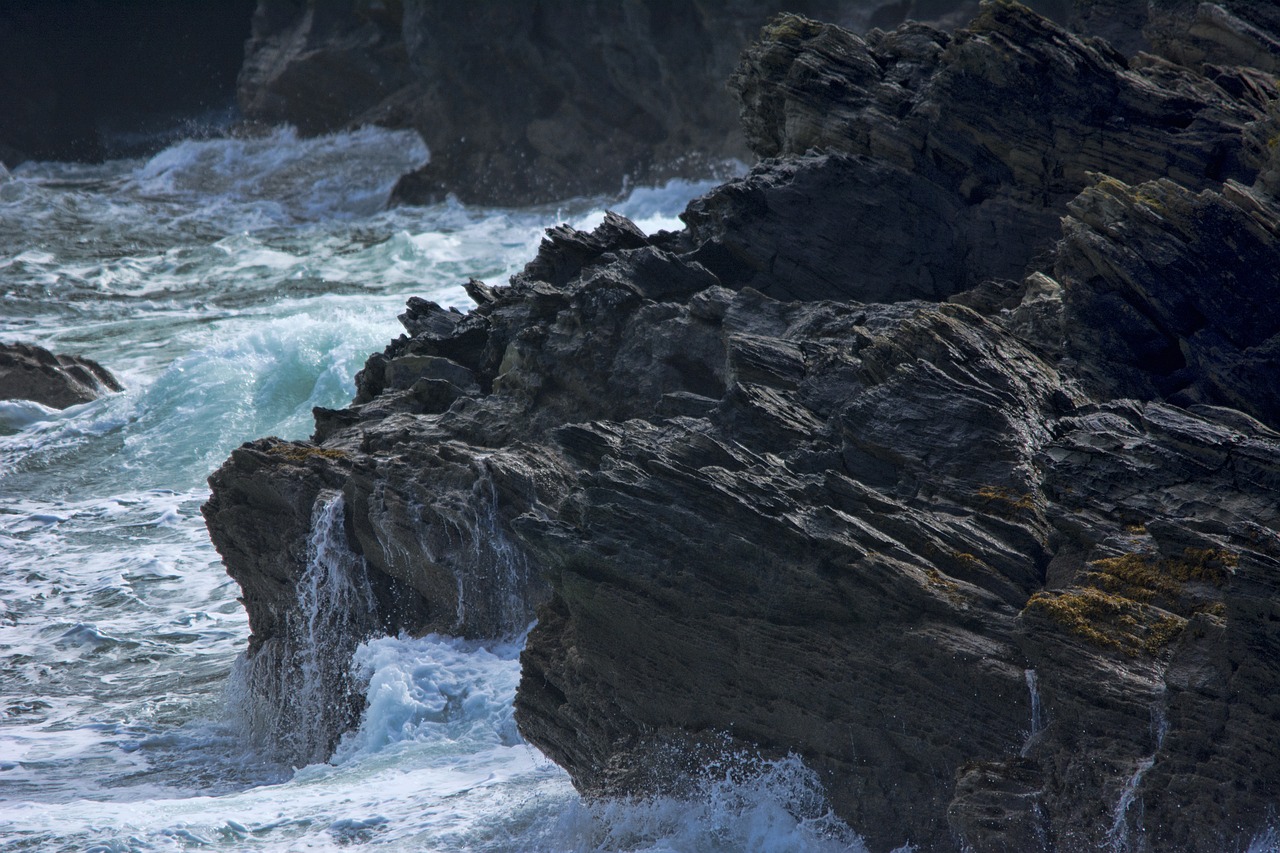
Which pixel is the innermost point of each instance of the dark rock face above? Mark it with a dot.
(29, 372)
(573, 98)
(527, 103)
(322, 66)
(1224, 33)
(944, 457)
(975, 141)
(1194, 318)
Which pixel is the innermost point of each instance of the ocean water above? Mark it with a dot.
(232, 285)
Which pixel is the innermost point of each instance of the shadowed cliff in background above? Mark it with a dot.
(518, 103)
(940, 449)
(537, 101)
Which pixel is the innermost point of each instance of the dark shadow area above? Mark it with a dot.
(93, 79)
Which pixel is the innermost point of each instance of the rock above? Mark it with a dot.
(1191, 318)
(322, 66)
(950, 136)
(573, 100)
(1235, 33)
(29, 372)
(944, 458)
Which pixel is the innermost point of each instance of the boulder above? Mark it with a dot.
(30, 372)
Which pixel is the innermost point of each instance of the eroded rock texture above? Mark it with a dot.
(943, 456)
(30, 372)
(539, 101)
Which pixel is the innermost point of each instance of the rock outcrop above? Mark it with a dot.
(572, 99)
(533, 102)
(939, 450)
(29, 372)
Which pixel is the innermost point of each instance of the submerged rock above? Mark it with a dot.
(29, 372)
(943, 457)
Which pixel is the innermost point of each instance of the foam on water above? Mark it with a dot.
(233, 284)
(280, 177)
(437, 765)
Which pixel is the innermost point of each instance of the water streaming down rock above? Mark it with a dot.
(1037, 711)
(1120, 836)
(297, 694)
(501, 571)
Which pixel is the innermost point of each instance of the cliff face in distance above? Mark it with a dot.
(524, 103)
(940, 450)
(533, 102)
(519, 103)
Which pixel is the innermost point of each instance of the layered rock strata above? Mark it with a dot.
(534, 102)
(943, 457)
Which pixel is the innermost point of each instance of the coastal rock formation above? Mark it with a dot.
(938, 450)
(321, 66)
(974, 141)
(29, 372)
(574, 98)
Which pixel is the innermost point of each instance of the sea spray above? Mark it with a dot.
(296, 695)
(773, 805)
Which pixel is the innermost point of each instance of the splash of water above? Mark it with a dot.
(297, 694)
(777, 806)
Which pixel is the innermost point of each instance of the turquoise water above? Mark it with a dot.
(232, 285)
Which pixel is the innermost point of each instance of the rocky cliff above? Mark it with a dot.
(939, 450)
(578, 98)
(573, 98)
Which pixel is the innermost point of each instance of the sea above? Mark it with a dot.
(232, 284)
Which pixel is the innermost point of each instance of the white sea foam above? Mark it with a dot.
(232, 285)
(280, 175)
(19, 414)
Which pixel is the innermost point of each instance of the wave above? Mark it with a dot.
(281, 176)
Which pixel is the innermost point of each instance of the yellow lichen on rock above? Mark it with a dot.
(1110, 621)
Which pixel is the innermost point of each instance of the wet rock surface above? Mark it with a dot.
(966, 497)
(30, 372)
